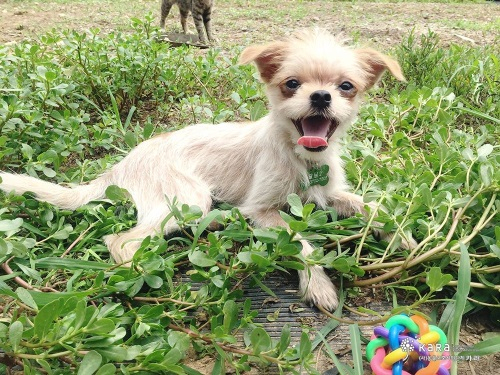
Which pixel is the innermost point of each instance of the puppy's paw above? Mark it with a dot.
(121, 252)
(317, 288)
(406, 243)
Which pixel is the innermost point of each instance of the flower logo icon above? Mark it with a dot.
(407, 346)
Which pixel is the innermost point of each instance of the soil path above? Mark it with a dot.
(246, 21)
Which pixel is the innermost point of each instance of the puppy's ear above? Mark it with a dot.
(375, 63)
(268, 58)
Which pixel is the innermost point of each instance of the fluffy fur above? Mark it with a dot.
(255, 165)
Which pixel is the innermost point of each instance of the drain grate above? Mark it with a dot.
(287, 308)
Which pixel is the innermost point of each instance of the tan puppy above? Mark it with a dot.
(315, 85)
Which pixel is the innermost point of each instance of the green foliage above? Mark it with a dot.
(73, 103)
(78, 94)
(139, 315)
(471, 74)
(436, 160)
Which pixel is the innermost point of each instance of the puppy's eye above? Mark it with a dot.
(346, 86)
(292, 84)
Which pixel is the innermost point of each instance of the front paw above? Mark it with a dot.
(317, 288)
(407, 243)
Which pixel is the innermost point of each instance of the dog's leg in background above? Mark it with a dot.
(207, 15)
(184, 9)
(166, 5)
(199, 12)
(314, 284)
(123, 246)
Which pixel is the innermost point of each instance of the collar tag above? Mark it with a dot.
(317, 175)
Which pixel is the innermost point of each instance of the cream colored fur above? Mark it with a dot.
(253, 165)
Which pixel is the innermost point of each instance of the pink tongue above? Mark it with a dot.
(315, 130)
(312, 141)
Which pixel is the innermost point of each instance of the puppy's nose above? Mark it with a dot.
(321, 99)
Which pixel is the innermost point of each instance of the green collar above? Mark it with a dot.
(316, 175)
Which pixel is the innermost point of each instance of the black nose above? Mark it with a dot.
(321, 99)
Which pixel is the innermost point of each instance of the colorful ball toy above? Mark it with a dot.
(408, 346)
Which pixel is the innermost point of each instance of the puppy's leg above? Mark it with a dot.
(349, 204)
(150, 215)
(123, 246)
(152, 209)
(314, 285)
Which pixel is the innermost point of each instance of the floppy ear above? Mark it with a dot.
(375, 63)
(268, 58)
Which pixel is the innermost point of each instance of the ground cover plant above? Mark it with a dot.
(73, 103)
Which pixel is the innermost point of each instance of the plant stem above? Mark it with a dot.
(344, 240)
(39, 356)
(409, 263)
(417, 260)
(227, 348)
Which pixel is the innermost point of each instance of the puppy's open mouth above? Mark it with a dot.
(315, 131)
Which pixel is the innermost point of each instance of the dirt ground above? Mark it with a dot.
(379, 24)
(242, 22)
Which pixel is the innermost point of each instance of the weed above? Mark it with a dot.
(471, 74)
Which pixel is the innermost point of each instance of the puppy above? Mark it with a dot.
(315, 85)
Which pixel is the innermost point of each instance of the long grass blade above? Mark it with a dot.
(460, 300)
(341, 367)
(357, 356)
(71, 264)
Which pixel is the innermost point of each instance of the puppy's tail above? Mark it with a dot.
(63, 197)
